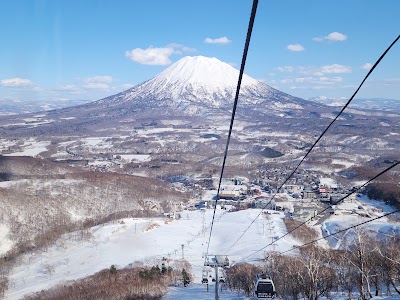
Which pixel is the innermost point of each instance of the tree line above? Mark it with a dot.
(132, 283)
(365, 267)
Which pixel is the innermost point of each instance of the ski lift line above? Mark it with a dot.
(246, 48)
(340, 200)
(321, 238)
(325, 209)
(318, 139)
(340, 231)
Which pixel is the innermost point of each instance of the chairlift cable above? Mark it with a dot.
(246, 48)
(340, 231)
(318, 139)
(325, 209)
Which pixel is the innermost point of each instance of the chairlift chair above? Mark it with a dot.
(204, 279)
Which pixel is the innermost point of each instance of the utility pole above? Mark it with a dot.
(216, 283)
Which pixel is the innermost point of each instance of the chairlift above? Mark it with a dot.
(264, 287)
(221, 279)
(204, 279)
(217, 260)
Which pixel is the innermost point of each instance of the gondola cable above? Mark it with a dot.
(329, 235)
(246, 48)
(318, 139)
(340, 231)
(340, 200)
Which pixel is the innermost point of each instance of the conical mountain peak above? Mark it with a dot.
(203, 71)
(198, 78)
(195, 82)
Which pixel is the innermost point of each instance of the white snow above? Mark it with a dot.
(329, 182)
(94, 141)
(7, 184)
(5, 242)
(31, 148)
(345, 163)
(198, 77)
(374, 203)
(156, 130)
(199, 292)
(101, 163)
(136, 157)
(121, 244)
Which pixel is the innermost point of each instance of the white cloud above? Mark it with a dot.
(99, 79)
(67, 87)
(16, 82)
(96, 86)
(179, 48)
(126, 86)
(98, 82)
(151, 56)
(157, 56)
(330, 80)
(317, 39)
(313, 80)
(316, 71)
(333, 36)
(336, 36)
(222, 40)
(335, 68)
(295, 47)
(366, 66)
(288, 69)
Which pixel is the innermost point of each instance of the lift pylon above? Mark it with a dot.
(216, 261)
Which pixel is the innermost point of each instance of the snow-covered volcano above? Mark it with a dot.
(198, 79)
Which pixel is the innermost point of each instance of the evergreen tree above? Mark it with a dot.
(185, 278)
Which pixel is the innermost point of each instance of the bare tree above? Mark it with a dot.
(359, 256)
(318, 276)
(241, 277)
(49, 269)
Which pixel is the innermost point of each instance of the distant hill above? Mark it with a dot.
(383, 104)
(13, 107)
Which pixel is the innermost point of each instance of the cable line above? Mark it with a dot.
(318, 139)
(246, 48)
(340, 231)
(340, 200)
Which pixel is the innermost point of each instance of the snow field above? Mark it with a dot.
(5, 243)
(31, 148)
(130, 240)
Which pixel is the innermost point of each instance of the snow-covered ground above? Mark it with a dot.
(135, 157)
(5, 243)
(122, 243)
(149, 240)
(199, 292)
(346, 215)
(31, 148)
(374, 203)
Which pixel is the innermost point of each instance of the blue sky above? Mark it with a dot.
(52, 49)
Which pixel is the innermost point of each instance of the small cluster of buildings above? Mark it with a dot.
(239, 193)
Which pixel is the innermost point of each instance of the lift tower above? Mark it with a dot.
(216, 261)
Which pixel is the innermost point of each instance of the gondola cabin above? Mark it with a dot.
(264, 287)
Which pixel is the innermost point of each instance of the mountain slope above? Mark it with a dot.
(197, 80)
(198, 87)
